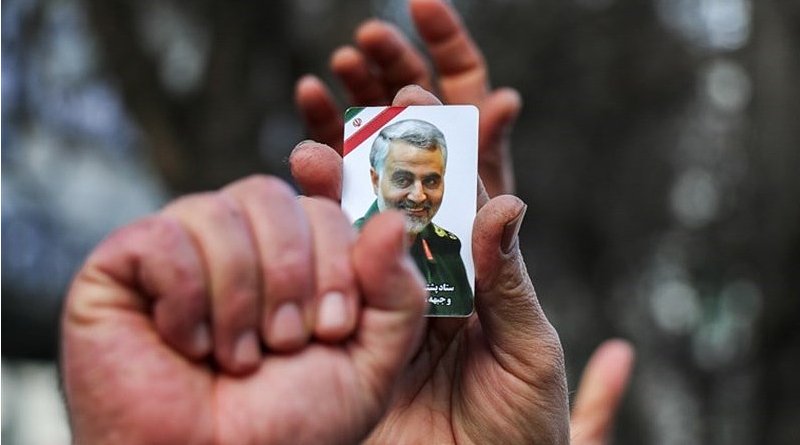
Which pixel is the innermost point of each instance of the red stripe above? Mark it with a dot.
(427, 250)
(370, 128)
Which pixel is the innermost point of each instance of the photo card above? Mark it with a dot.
(422, 161)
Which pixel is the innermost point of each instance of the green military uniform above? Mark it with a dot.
(437, 253)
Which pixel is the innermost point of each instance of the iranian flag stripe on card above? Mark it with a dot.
(361, 123)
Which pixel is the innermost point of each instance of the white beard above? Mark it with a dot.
(414, 224)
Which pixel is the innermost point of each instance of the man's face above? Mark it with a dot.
(412, 181)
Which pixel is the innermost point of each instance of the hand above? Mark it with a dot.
(495, 377)
(241, 316)
(384, 61)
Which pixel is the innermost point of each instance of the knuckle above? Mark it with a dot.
(288, 273)
(214, 207)
(259, 187)
(219, 208)
(184, 203)
(327, 208)
(162, 232)
(166, 236)
(325, 212)
(237, 305)
(258, 190)
(142, 237)
(340, 272)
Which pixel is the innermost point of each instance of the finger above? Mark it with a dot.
(394, 299)
(463, 77)
(137, 267)
(336, 294)
(317, 169)
(399, 62)
(353, 70)
(222, 237)
(283, 240)
(601, 389)
(414, 95)
(521, 339)
(319, 111)
(147, 270)
(516, 328)
(499, 111)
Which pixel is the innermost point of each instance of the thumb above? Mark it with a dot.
(509, 311)
(414, 95)
(317, 170)
(394, 301)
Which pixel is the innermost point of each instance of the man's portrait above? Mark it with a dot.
(409, 169)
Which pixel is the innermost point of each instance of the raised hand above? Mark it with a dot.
(240, 316)
(383, 60)
(436, 383)
(495, 377)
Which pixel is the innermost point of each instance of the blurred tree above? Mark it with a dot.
(774, 211)
(198, 77)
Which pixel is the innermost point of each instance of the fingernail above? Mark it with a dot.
(511, 231)
(305, 78)
(332, 311)
(202, 339)
(246, 350)
(307, 141)
(410, 87)
(287, 328)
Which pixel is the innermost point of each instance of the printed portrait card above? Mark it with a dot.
(422, 161)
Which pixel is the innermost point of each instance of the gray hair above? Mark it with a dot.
(418, 133)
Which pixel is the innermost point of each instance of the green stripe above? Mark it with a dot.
(351, 113)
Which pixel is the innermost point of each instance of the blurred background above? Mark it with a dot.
(659, 153)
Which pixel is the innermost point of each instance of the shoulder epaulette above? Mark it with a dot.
(442, 233)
